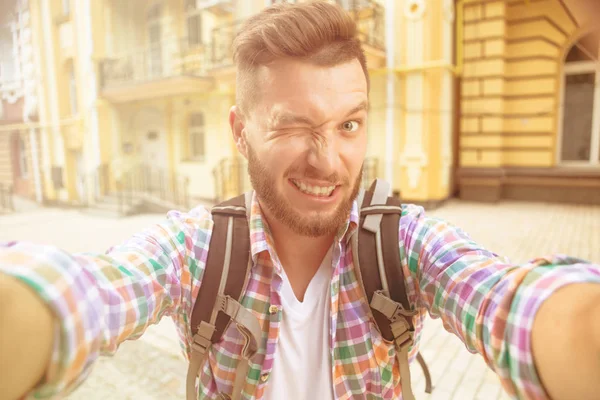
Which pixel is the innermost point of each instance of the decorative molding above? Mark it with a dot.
(414, 9)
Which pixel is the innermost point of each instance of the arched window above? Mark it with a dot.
(580, 125)
(197, 137)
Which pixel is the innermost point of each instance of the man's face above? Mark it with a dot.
(306, 142)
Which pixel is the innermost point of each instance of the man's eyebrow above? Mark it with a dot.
(288, 118)
(364, 106)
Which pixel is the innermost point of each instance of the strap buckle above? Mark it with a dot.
(403, 335)
(393, 310)
(203, 337)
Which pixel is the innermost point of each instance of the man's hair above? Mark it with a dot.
(320, 33)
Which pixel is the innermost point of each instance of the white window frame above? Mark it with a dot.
(573, 69)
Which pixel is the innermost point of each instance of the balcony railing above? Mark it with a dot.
(370, 19)
(6, 197)
(152, 184)
(369, 171)
(165, 59)
(220, 50)
(219, 7)
(231, 178)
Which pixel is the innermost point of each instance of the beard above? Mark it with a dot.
(313, 225)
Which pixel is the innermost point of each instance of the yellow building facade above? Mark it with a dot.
(530, 123)
(481, 99)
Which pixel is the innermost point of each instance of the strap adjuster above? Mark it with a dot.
(403, 335)
(203, 337)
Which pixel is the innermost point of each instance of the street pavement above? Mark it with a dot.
(152, 367)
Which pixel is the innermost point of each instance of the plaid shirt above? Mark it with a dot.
(103, 299)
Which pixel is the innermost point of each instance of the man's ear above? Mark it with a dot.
(237, 123)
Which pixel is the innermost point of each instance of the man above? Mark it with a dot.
(300, 120)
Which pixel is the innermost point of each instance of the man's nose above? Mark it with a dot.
(324, 154)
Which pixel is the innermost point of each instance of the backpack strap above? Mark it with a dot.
(376, 254)
(223, 285)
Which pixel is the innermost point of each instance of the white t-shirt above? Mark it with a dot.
(302, 365)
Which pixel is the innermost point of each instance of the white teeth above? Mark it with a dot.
(314, 190)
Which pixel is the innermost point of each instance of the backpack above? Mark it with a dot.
(376, 258)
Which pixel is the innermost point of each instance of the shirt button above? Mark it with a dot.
(264, 377)
(273, 309)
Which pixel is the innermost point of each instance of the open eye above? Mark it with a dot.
(351, 126)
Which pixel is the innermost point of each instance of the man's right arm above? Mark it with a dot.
(96, 301)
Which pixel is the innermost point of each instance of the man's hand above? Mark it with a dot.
(26, 337)
(566, 342)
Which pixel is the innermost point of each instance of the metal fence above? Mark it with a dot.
(6, 197)
(231, 178)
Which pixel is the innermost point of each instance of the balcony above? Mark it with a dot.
(217, 7)
(219, 55)
(166, 68)
(369, 16)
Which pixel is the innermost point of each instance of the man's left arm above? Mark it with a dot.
(523, 319)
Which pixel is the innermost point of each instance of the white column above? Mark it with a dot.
(413, 158)
(59, 153)
(88, 75)
(447, 95)
(390, 30)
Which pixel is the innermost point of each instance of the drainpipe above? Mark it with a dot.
(390, 92)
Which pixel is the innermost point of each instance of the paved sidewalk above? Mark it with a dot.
(152, 367)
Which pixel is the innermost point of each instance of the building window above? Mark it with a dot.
(23, 166)
(72, 90)
(155, 41)
(580, 111)
(194, 27)
(196, 137)
(193, 23)
(66, 7)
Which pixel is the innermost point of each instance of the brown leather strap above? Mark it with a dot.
(369, 277)
(367, 254)
(240, 254)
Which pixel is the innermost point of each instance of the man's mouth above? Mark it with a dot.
(320, 191)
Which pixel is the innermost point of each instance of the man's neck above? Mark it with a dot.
(300, 256)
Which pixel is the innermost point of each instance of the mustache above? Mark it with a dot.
(313, 173)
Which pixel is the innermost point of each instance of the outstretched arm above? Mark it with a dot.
(524, 319)
(96, 300)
